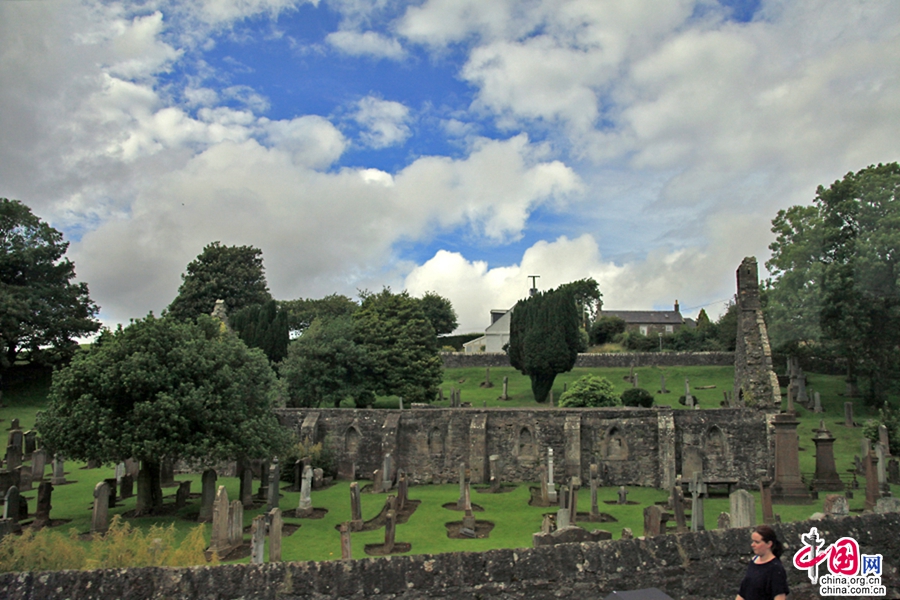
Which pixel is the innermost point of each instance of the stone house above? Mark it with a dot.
(650, 322)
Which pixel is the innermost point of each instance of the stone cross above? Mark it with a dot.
(595, 472)
(743, 509)
(356, 521)
(257, 539)
(698, 489)
(848, 414)
(276, 524)
(304, 508)
(653, 521)
(100, 514)
(207, 495)
(623, 495)
(346, 552)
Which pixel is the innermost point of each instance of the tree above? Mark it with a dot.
(303, 311)
(41, 308)
(439, 312)
(160, 390)
(234, 274)
(590, 391)
(587, 299)
(263, 326)
(325, 366)
(835, 268)
(606, 328)
(544, 338)
(401, 346)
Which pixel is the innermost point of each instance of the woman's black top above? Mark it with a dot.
(764, 581)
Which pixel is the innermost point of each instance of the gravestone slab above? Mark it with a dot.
(100, 514)
(836, 505)
(743, 509)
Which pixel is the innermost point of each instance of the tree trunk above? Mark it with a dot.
(541, 384)
(149, 496)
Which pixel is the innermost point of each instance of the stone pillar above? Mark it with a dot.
(788, 487)
(461, 503)
(765, 495)
(551, 487)
(678, 506)
(573, 500)
(755, 382)
(42, 512)
(743, 509)
(100, 515)
(817, 402)
(390, 531)
(276, 524)
(245, 473)
(826, 477)
(304, 508)
(698, 490)
(478, 449)
(495, 472)
(274, 485)
(873, 493)
(595, 509)
(665, 427)
(356, 521)
(387, 471)
(207, 495)
(346, 552)
(848, 414)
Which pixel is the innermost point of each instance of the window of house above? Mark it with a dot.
(643, 330)
(670, 328)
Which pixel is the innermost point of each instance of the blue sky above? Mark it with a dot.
(448, 145)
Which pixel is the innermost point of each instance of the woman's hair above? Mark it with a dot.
(768, 535)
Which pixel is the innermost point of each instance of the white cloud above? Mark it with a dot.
(367, 43)
(313, 141)
(384, 122)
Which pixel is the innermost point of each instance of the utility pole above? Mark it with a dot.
(533, 289)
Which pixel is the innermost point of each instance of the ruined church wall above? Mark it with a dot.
(706, 565)
(633, 446)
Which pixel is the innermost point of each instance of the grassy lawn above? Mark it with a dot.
(515, 521)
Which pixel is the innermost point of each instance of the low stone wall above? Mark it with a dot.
(455, 360)
(689, 566)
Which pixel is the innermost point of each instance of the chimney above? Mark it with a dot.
(676, 306)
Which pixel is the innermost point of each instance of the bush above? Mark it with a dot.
(637, 397)
(605, 329)
(638, 342)
(890, 418)
(590, 391)
(320, 455)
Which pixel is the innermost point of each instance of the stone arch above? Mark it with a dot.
(614, 446)
(351, 441)
(525, 445)
(436, 442)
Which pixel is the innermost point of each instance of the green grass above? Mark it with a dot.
(514, 520)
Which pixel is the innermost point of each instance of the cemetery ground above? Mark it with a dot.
(514, 519)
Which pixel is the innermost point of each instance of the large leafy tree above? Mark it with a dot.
(326, 366)
(263, 326)
(401, 346)
(544, 337)
(41, 308)
(303, 311)
(162, 389)
(836, 274)
(234, 274)
(439, 312)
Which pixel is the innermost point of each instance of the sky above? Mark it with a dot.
(454, 146)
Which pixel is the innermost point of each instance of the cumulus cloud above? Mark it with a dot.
(384, 122)
(366, 43)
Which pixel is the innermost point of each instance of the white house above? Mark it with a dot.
(495, 336)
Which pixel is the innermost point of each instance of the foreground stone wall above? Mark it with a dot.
(454, 360)
(633, 446)
(688, 566)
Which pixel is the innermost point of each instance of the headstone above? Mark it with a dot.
(893, 473)
(848, 414)
(678, 506)
(826, 477)
(387, 472)
(235, 524)
(545, 493)
(11, 504)
(14, 424)
(111, 482)
(263, 492)
(802, 396)
(30, 443)
(257, 539)
(183, 493)
(16, 438)
(144, 486)
(688, 399)
(318, 478)
(547, 524)
(356, 521)
(765, 495)
(13, 457)
(402, 490)
(872, 489)
(634, 381)
(788, 486)
(305, 507)
(551, 487)
(38, 464)
(207, 495)
(836, 505)
(100, 515)
(653, 521)
(724, 521)
(390, 526)
(274, 479)
(662, 384)
(623, 495)
(166, 473)
(881, 468)
(595, 472)
(505, 395)
(276, 524)
(23, 476)
(461, 503)
(743, 509)
(346, 553)
(817, 399)
(245, 473)
(884, 440)
(627, 533)
(219, 538)
(59, 475)
(573, 501)
(120, 471)
(887, 505)
(298, 476)
(495, 472)
(42, 512)
(698, 490)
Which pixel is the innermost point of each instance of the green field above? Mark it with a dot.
(514, 519)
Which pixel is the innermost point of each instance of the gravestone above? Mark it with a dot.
(6, 481)
(390, 527)
(23, 476)
(402, 490)
(298, 476)
(346, 552)
(59, 475)
(678, 506)
(183, 494)
(551, 487)
(573, 501)
(547, 524)
(30, 443)
(688, 399)
(893, 474)
(743, 509)
(42, 512)
(257, 539)
(817, 399)
(245, 474)
(461, 502)
(662, 385)
(848, 414)
(276, 525)
(274, 478)
(627, 534)
(207, 495)
(765, 495)
(622, 495)
(120, 471)
(873, 493)
(262, 493)
(788, 486)
(563, 517)
(235, 524)
(13, 457)
(387, 472)
(11, 504)
(887, 505)
(305, 507)
(698, 490)
(836, 505)
(218, 542)
(653, 521)
(884, 440)
(356, 522)
(881, 469)
(38, 464)
(111, 482)
(545, 492)
(826, 477)
(494, 460)
(166, 473)
(100, 514)
(144, 486)
(14, 424)
(505, 395)
(377, 478)
(16, 439)
(318, 478)
(724, 521)
(595, 472)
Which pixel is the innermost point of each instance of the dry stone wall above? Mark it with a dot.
(632, 446)
(689, 566)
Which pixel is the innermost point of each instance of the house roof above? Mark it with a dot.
(649, 317)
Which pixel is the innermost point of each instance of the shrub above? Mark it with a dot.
(637, 397)
(638, 342)
(590, 390)
(605, 329)
(320, 454)
(890, 418)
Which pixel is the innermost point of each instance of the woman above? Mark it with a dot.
(765, 578)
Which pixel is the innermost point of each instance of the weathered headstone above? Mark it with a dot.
(132, 467)
(622, 495)
(653, 521)
(563, 517)
(30, 443)
(144, 489)
(402, 490)
(390, 527)
(356, 521)
(887, 505)
(595, 472)
(318, 478)
(494, 460)
(505, 395)
(207, 495)
(59, 475)
(11, 504)
(884, 439)
(262, 492)
(305, 507)
(547, 524)
(245, 474)
(167, 473)
(698, 490)
(826, 477)
(298, 476)
(765, 496)
(13, 457)
(872, 489)
(678, 506)
(836, 505)
(743, 509)
(38, 464)
(120, 471)
(545, 492)
(276, 526)
(111, 482)
(461, 503)
(817, 399)
(627, 534)
(183, 493)
(23, 476)
(100, 514)
(346, 552)
(723, 521)
(257, 539)
(235, 524)
(551, 487)
(848, 414)
(42, 512)
(387, 471)
(274, 479)
(218, 542)
(14, 424)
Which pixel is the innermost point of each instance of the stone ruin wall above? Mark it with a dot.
(706, 565)
(755, 382)
(633, 446)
